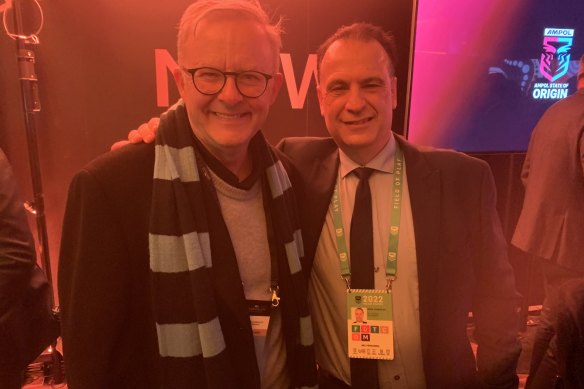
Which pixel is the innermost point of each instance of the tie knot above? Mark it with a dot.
(363, 173)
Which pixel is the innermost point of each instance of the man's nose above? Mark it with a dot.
(355, 100)
(230, 94)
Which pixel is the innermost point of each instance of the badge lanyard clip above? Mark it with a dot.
(275, 298)
(348, 282)
(389, 283)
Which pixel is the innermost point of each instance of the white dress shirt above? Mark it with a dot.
(327, 291)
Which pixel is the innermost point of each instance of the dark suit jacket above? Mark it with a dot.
(109, 335)
(570, 334)
(551, 224)
(461, 255)
(17, 255)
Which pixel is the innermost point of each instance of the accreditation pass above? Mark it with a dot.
(370, 324)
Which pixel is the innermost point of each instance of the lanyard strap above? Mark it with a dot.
(395, 219)
(274, 279)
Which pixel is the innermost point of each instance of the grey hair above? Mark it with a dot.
(246, 8)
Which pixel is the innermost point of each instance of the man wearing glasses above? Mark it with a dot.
(180, 260)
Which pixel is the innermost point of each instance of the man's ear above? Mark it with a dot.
(179, 79)
(320, 95)
(393, 92)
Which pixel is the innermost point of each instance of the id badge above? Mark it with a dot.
(259, 315)
(370, 324)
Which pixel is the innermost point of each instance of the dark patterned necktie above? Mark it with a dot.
(363, 371)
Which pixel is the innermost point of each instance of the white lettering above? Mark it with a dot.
(558, 32)
(555, 93)
(561, 93)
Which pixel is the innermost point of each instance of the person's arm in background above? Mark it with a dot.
(527, 162)
(17, 253)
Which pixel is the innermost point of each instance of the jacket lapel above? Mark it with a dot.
(320, 178)
(424, 184)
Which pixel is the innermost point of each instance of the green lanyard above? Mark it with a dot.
(396, 204)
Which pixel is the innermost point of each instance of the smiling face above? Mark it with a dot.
(359, 315)
(357, 96)
(226, 122)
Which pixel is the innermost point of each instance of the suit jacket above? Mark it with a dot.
(108, 327)
(551, 224)
(27, 325)
(461, 255)
(17, 254)
(570, 334)
(17, 258)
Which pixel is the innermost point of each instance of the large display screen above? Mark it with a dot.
(484, 71)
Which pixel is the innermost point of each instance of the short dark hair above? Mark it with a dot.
(364, 32)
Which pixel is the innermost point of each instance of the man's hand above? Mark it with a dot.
(146, 133)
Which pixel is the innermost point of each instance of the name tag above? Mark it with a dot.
(370, 324)
(259, 316)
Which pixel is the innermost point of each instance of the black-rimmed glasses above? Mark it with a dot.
(210, 81)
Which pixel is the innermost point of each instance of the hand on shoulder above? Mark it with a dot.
(145, 133)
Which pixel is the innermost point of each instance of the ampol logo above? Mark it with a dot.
(555, 58)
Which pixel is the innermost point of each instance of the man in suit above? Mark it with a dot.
(551, 223)
(452, 253)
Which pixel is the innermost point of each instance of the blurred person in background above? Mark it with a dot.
(551, 223)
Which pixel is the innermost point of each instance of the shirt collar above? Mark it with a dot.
(224, 173)
(382, 162)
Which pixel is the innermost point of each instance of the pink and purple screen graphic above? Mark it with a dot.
(485, 71)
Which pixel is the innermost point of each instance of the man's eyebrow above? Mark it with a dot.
(377, 80)
(335, 82)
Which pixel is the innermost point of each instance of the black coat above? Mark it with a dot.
(108, 327)
(461, 255)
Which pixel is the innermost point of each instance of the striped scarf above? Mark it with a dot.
(190, 339)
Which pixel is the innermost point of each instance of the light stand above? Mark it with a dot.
(31, 104)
